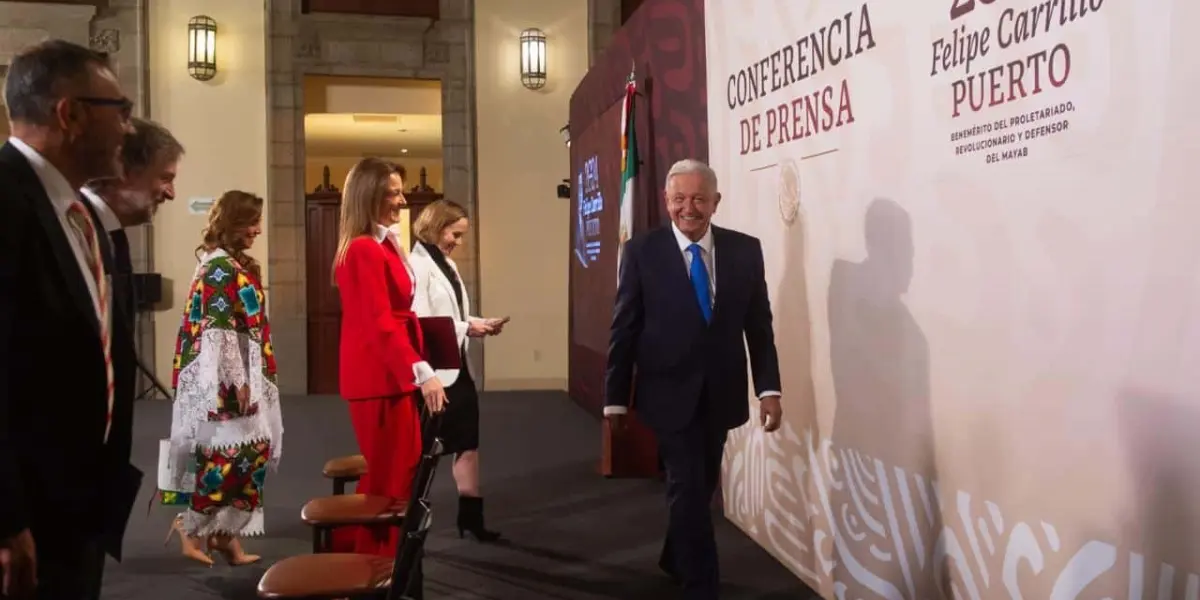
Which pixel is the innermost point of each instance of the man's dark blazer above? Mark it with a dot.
(680, 360)
(57, 475)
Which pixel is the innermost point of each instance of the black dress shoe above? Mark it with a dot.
(669, 570)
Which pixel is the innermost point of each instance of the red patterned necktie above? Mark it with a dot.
(81, 221)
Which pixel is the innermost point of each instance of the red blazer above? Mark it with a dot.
(381, 336)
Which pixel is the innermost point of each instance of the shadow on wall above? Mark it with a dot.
(1158, 433)
(882, 427)
(795, 353)
(766, 491)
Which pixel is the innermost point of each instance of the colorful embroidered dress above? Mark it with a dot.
(216, 460)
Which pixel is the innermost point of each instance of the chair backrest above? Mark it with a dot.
(411, 542)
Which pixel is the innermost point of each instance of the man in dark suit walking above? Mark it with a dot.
(687, 296)
(66, 413)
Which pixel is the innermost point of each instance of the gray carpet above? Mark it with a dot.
(575, 535)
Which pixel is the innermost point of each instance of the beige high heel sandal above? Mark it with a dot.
(231, 548)
(189, 547)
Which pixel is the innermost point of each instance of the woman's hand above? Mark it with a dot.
(479, 327)
(496, 326)
(434, 395)
(243, 398)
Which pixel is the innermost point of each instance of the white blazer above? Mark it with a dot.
(434, 297)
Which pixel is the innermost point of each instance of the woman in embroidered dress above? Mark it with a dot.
(226, 428)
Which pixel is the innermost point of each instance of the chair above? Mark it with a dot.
(344, 470)
(330, 512)
(338, 575)
(326, 577)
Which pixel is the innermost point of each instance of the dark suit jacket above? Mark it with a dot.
(680, 360)
(57, 475)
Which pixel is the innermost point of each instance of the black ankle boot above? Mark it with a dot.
(470, 520)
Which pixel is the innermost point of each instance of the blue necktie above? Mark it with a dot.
(699, 276)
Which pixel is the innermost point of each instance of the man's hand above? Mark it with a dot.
(434, 395)
(616, 422)
(770, 413)
(18, 561)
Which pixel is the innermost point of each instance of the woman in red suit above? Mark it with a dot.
(382, 375)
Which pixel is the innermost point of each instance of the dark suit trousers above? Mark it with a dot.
(68, 569)
(692, 459)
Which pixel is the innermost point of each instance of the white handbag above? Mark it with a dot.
(169, 478)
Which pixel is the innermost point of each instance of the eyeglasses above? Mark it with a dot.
(124, 105)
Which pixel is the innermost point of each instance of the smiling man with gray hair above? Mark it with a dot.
(150, 158)
(691, 298)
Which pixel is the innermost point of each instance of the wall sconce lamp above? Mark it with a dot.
(202, 48)
(565, 132)
(533, 59)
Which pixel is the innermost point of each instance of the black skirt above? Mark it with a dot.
(459, 426)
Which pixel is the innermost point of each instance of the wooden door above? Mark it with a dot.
(324, 304)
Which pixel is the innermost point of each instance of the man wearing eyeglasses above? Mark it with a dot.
(66, 485)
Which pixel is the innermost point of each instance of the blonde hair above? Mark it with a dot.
(435, 218)
(363, 198)
(228, 219)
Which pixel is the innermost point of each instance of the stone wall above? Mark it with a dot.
(604, 19)
(23, 24)
(364, 46)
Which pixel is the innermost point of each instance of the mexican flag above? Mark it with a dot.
(629, 166)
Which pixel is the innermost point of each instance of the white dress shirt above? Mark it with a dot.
(422, 372)
(62, 196)
(708, 253)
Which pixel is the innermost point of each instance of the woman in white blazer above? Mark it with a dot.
(440, 229)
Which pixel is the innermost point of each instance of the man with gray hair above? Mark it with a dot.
(688, 294)
(66, 485)
(149, 159)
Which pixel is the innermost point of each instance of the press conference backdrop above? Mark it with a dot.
(595, 191)
(979, 224)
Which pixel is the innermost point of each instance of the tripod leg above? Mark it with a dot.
(154, 381)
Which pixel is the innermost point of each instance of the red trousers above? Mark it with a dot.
(389, 437)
